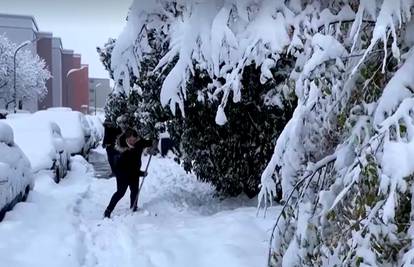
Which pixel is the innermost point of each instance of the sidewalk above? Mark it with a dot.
(99, 161)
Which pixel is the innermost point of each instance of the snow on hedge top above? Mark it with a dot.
(398, 88)
(96, 126)
(59, 109)
(71, 126)
(6, 134)
(39, 138)
(221, 37)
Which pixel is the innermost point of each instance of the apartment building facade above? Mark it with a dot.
(69, 85)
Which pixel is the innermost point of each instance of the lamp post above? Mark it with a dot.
(71, 71)
(14, 69)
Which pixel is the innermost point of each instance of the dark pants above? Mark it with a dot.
(166, 145)
(112, 154)
(122, 184)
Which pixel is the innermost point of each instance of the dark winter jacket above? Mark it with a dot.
(128, 162)
(110, 136)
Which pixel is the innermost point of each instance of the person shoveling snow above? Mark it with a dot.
(128, 168)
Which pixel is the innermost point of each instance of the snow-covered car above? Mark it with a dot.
(42, 142)
(73, 126)
(96, 129)
(88, 135)
(16, 178)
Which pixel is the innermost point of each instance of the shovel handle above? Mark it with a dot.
(142, 183)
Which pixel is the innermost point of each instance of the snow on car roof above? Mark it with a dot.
(70, 123)
(36, 137)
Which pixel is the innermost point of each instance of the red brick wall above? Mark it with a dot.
(80, 93)
(76, 85)
(44, 50)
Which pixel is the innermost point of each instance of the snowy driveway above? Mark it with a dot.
(180, 225)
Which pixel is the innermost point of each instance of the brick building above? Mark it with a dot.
(69, 85)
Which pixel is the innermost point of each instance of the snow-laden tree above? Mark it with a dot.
(220, 37)
(136, 107)
(31, 74)
(345, 157)
(105, 55)
(241, 148)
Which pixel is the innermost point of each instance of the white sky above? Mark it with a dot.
(82, 24)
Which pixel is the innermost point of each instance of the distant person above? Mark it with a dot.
(166, 144)
(112, 131)
(128, 168)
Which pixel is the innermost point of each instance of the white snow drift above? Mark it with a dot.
(182, 225)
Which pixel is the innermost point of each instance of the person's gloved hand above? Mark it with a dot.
(144, 174)
(153, 150)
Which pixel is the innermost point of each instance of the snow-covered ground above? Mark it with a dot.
(180, 225)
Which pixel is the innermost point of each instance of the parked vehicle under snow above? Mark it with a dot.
(74, 128)
(42, 142)
(16, 179)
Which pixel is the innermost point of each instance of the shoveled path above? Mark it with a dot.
(181, 224)
(99, 161)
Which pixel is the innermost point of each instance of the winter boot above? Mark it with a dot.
(107, 214)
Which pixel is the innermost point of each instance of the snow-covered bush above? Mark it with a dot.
(344, 158)
(345, 204)
(97, 128)
(105, 55)
(231, 156)
(137, 107)
(115, 106)
(31, 74)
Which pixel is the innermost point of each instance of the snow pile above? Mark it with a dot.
(181, 224)
(71, 124)
(15, 172)
(39, 139)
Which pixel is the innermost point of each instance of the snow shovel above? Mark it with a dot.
(142, 183)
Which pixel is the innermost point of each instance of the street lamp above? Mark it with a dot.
(74, 70)
(71, 71)
(14, 68)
